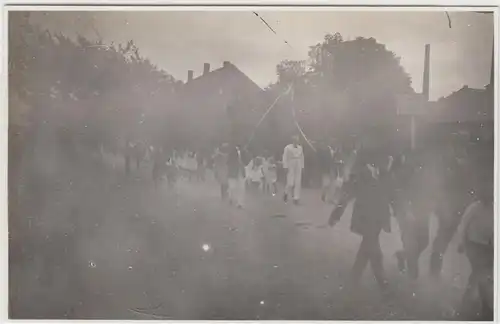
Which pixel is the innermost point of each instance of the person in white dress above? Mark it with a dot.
(270, 176)
(255, 174)
(293, 162)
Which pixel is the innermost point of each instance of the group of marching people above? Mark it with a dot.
(190, 165)
(235, 170)
(455, 187)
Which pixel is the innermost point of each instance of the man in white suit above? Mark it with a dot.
(293, 162)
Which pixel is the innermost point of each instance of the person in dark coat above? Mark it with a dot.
(236, 175)
(371, 213)
(326, 169)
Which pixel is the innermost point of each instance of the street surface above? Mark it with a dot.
(110, 247)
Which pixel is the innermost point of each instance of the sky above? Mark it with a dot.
(178, 41)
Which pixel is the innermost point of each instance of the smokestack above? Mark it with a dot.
(425, 88)
(206, 68)
(190, 75)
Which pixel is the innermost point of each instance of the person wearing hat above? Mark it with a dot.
(293, 163)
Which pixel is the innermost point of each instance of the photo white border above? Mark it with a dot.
(179, 5)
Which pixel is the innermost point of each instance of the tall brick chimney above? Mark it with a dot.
(206, 68)
(190, 75)
(425, 88)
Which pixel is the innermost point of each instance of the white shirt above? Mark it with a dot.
(293, 153)
(269, 170)
(256, 173)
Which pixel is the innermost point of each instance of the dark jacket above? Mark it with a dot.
(371, 211)
(325, 160)
(236, 162)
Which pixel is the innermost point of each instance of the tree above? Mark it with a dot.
(345, 86)
(366, 71)
(97, 93)
(290, 71)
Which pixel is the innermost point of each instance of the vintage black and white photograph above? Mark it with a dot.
(251, 163)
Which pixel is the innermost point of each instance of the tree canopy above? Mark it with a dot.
(107, 93)
(99, 92)
(343, 82)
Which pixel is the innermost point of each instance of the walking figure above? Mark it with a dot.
(270, 176)
(371, 215)
(476, 236)
(414, 202)
(293, 163)
(221, 169)
(236, 175)
(326, 165)
(454, 197)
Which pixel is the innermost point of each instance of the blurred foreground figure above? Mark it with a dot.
(221, 169)
(293, 162)
(453, 198)
(236, 176)
(476, 234)
(416, 190)
(371, 214)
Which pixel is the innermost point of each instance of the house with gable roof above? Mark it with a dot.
(218, 105)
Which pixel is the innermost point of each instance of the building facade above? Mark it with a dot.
(219, 105)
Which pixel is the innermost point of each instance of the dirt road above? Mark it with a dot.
(110, 247)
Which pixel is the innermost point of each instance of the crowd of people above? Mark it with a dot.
(453, 184)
